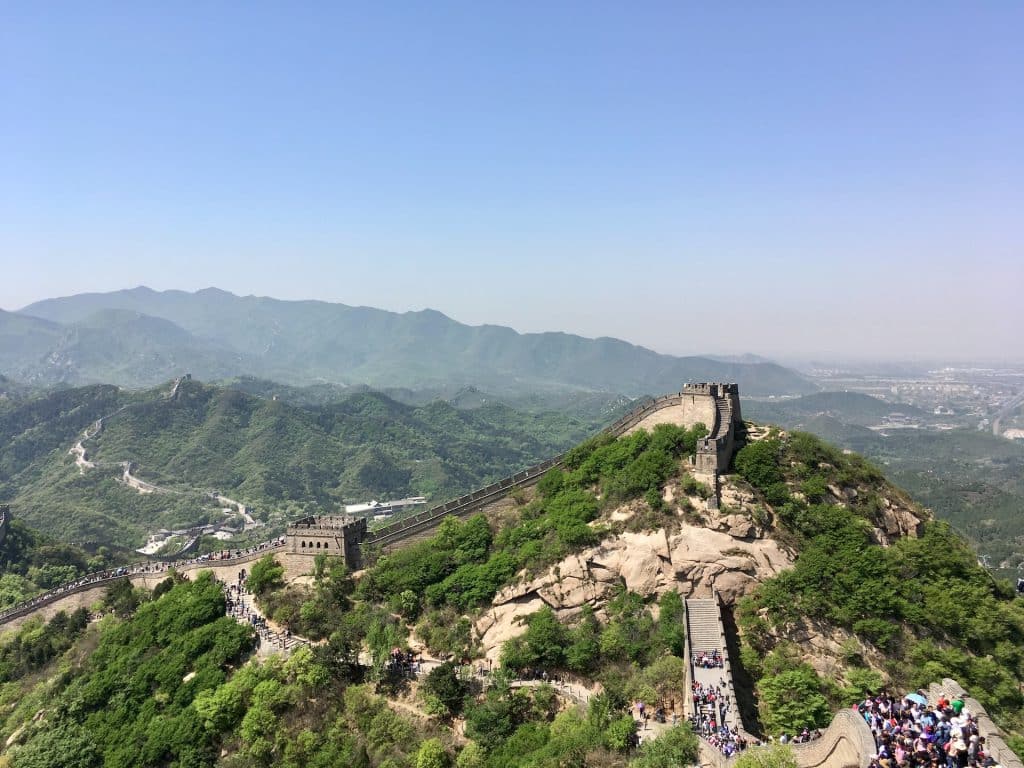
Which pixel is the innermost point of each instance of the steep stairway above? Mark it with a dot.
(706, 633)
(704, 625)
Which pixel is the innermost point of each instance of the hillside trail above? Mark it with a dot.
(83, 462)
(78, 450)
(274, 638)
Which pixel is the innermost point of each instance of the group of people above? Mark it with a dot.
(726, 740)
(910, 733)
(240, 610)
(402, 663)
(709, 697)
(133, 570)
(803, 737)
(708, 659)
(644, 714)
(64, 589)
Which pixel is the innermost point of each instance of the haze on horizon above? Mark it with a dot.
(846, 183)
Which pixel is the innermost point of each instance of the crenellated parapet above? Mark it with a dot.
(715, 452)
(994, 741)
(329, 535)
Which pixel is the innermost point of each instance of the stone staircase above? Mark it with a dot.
(705, 632)
(704, 625)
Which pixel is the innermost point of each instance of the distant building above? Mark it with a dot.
(383, 509)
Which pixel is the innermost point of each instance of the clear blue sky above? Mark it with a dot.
(849, 179)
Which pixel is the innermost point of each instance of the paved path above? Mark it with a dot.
(241, 606)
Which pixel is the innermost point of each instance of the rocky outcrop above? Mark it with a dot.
(895, 521)
(693, 560)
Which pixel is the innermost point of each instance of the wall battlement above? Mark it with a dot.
(330, 535)
(714, 404)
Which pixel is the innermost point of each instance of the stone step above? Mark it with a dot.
(704, 626)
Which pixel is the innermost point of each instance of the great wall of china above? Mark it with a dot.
(714, 405)
(846, 743)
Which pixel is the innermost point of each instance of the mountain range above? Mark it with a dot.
(141, 337)
(279, 456)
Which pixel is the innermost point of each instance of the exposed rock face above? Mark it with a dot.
(693, 561)
(896, 521)
(725, 550)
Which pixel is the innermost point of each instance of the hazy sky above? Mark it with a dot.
(789, 178)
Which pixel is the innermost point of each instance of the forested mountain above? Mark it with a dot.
(971, 478)
(304, 342)
(835, 585)
(281, 458)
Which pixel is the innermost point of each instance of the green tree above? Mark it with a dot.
(675, 747)
(265, 576)
(776, 756)
(672, 622)
(444, 685)
(471, 756)
(792, 700)
(758, 463)
(432, 754)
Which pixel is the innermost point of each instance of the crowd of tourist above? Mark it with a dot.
(807, 734)
(708, 659)
(710, 698)
(239, 608)
(910, 733)
(402, 663)
(710, 707)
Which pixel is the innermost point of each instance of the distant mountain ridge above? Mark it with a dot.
(305, 342)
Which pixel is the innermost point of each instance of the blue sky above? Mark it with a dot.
(849, 180)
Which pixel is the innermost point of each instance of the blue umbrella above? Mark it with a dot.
(917, 698)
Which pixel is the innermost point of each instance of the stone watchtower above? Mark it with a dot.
(715, 451)
(331, 535)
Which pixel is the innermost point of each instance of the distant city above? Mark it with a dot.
(949, 397)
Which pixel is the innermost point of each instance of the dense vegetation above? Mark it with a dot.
(161, 681)
(923, 604)
(31, 563)
(167, 680)
(466, 563)
(280, 458)
(972, 479)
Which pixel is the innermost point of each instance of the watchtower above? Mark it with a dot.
(330, 535)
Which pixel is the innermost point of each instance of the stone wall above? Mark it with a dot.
(142, 574)
(1005, 756)
(696, 403)
(846, 743)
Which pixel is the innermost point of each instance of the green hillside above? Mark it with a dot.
(848, 407)
(32, 562)
(308, 342)
(165, 679)
(970, 478)
(280, 458)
